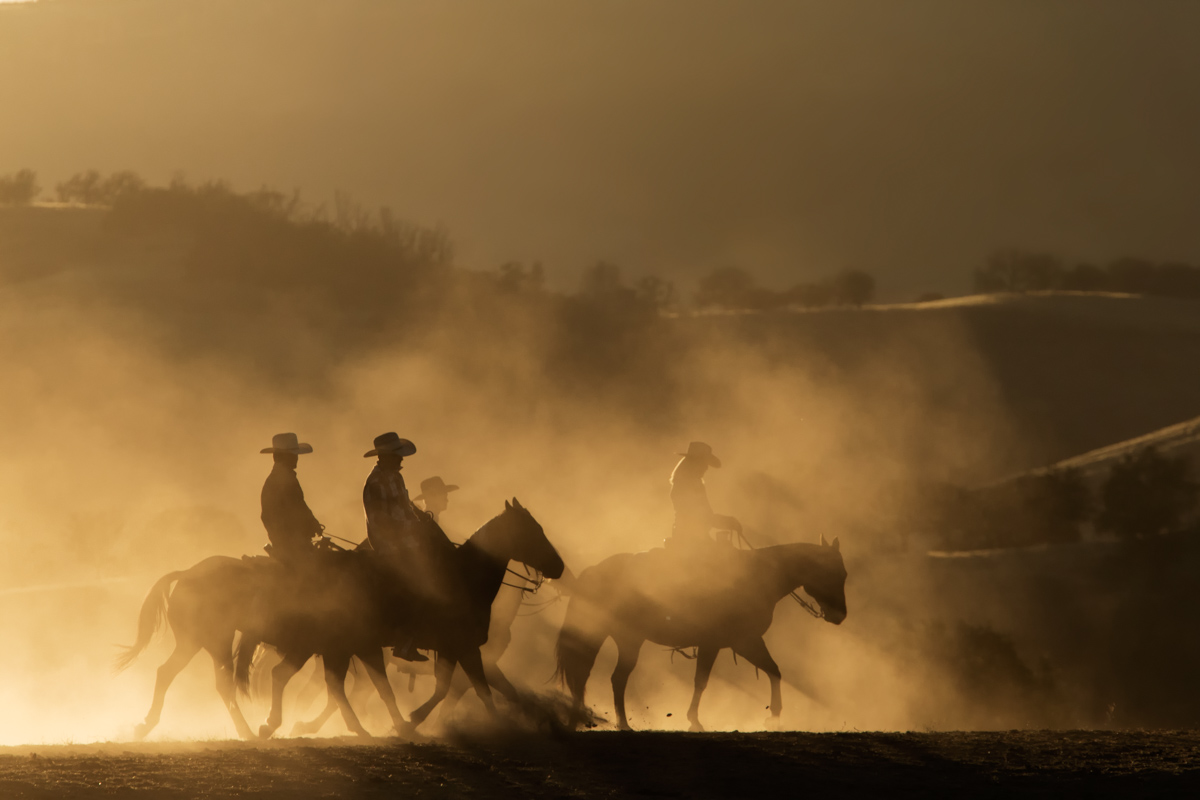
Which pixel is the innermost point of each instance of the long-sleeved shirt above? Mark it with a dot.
(390, 512)
(693, 515)
(289, 522)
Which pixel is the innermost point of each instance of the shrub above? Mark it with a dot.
(1146, 494)
(19, 188)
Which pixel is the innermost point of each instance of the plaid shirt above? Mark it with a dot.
(390, 512)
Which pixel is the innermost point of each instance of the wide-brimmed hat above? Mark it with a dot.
(702, 452)
(435, 485)
(287, 443)
(390, 443)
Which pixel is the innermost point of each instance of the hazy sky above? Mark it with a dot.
(791, 138)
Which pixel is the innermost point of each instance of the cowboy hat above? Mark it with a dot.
(287, 443)
(702, 452)
(435, 485)
(390, 443)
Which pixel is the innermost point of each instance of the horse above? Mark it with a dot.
(505, 609)
(220, 596)
(455, 628)
(709, 599)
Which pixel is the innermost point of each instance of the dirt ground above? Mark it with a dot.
(610, 764)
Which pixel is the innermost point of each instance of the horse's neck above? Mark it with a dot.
(785, 568)
(484, 562)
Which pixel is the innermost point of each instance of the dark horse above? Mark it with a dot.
(708, 599)
(351, 610)
(456, 627)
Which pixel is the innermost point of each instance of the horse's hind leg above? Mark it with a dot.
(280, 675)
(184, 652)
(705, 658)
(222, 657)
(335, 684)
(627, 657)
(302, 728)
(757, 654)
(377, 671)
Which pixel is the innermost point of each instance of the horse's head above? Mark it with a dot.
(526, 541)
(827, 585)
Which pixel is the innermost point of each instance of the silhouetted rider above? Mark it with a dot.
(406, 537)
(290, 523)
(694, 517)
(435, 494)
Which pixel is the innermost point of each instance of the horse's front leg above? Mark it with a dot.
(472, 664)
(705, 658)
(757, 654)
(443, 671)
(280, 675)
(377, 671)
(335, 683)
(627, 658)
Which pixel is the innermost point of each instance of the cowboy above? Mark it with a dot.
(290, 523)
(435, 495)
(694, 517)
(390, 513)
(408, 538)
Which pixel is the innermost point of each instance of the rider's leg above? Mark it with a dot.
(627, 657)
(706, 656)
(184, 652)
(756, 653)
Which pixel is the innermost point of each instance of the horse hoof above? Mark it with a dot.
(265, 732)
(772, 723)
(696, 727)
(141, 731)
(624, 726)
(303, 729)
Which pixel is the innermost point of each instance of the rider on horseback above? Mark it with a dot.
(435, 494)
(290, 523)
(694, 517)
(407, 538)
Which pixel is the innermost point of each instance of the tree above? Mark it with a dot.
(91, 189)
(1146, 494)
(516, 277)
(654, 291)
(19, 188)
(853, 288)
(725, 287)
(1019, 271)
(603, 279)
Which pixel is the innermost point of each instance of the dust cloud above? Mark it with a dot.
(141, 382)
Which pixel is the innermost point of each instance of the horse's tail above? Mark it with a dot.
(578, 644)
(243, 658)
(149, 620)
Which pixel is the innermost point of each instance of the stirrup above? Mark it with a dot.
(409, 653)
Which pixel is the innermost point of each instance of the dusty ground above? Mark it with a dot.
(599, 764)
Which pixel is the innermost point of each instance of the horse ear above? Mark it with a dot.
(508, 505)
(837, 546)
(516, 503)
(823, 542)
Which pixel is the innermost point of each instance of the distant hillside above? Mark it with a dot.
(982, 386)
(1076, 371)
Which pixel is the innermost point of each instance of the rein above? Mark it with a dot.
(537, 578)
(807, 606)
